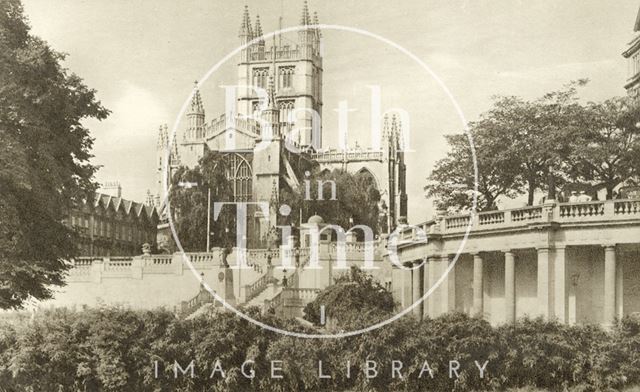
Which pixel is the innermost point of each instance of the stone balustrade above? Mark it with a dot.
(292, 300)
(263, 256)
(347, 156)
(97, 268)
(221, 123)
(250, 291)
(189, 307)
(281, 54)
(575, 262)
(305, 294)
(593, 211)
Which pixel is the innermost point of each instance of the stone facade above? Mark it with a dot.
(112, 226)
(632, 54)
(262, 146)
(576, 263)
(278, 279)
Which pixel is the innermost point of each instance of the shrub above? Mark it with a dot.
(113, 349)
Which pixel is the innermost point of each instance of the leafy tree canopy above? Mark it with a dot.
(189, 204)
(355, 300)
(44, 164)
(524, 146)
(356, 199)
(608, 146)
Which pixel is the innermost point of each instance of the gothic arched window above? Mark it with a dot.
(369, 178)
(240, 174)
(260, 76)
(286, 107)
(286, 76)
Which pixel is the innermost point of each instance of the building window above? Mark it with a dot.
(255, 109)
(286, 108)
(285, 76)
(240, 174)
(260, 76)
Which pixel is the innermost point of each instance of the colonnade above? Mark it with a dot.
(552, 284)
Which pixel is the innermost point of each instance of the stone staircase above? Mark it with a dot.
(272, 290)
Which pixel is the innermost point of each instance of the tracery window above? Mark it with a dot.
(260, 76)
(240, 175)
(285, 76)
(286, 107)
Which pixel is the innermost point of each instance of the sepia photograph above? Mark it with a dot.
(296, 195)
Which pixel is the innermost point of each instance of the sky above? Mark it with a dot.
(143, 56)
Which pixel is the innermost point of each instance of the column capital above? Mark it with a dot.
(419, 263)
(609, 245)
(542, 249)
(507, 250)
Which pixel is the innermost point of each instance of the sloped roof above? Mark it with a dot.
(129, 207)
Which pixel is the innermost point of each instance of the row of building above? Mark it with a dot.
(109, 225)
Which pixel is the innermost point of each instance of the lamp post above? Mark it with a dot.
(284, 278)
(208, 219)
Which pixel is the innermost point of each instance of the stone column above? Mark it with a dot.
(560, 292)
(417, 288)
(434, 298)
(448, 286)
(509, 287)
(478, 290)
(407, 286)
(619, 289)
(544, 297)
(426, 285)
(609, 312)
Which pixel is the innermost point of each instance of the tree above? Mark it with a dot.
(355, 300)
(356, 201)
(521, 146)
(609, 151)
(536, 135)
(452, 182)
(189, 204)
(44, 164)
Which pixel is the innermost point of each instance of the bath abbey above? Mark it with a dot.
(264, 136)
(572, 260)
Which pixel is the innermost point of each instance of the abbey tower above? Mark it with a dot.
(276, 123)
